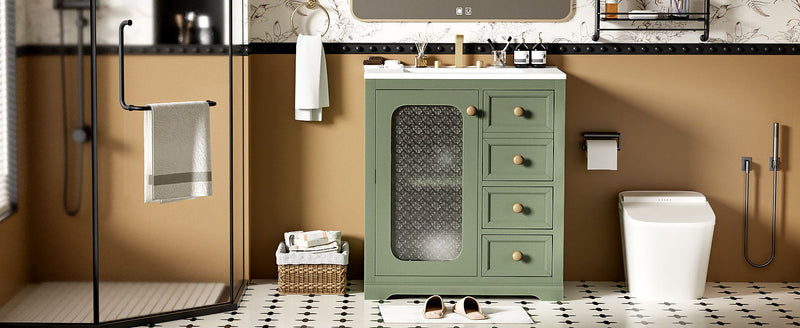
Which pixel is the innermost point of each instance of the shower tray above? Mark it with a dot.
(71, 302)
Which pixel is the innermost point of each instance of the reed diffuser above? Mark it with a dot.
(421, 43)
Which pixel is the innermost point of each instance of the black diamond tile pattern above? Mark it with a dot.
(426, 183)
(586, 304)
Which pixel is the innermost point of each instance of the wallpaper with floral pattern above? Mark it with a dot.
(732, 21)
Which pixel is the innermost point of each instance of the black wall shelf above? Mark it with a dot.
(699, 17)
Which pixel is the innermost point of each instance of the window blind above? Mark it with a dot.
(8, 140)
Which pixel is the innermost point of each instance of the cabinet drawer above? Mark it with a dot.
(535, 112)
(536, 256)
(518, 159)
(518, 207)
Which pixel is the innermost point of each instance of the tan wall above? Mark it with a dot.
(184, 241)
(685, 122)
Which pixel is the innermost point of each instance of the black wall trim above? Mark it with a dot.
(552, 48)
(436, 48)
(165, 49)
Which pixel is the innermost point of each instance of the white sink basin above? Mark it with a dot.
(453, 73)
(462, 70)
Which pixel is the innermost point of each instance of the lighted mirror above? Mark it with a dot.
(466, 10)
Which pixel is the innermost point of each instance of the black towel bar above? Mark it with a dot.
(125, 106)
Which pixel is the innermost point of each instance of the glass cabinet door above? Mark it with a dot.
(426, 182)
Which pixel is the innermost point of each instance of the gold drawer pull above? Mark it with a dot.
(516, 256)
(471, 111)
(519, 111)
(518, 160)
(517, 208)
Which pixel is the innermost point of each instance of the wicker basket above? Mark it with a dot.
(324, 274)
(312, 279)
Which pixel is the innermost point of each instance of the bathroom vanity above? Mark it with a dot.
(464, 182)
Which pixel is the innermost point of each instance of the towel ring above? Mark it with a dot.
(311, 4)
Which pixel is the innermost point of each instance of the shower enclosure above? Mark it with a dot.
(116, 261)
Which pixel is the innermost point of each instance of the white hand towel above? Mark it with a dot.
(311, 79)
(177, 152)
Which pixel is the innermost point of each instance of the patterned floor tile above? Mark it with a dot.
(586, 304)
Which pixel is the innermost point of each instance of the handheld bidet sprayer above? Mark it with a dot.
(775, 161)
(774, 166)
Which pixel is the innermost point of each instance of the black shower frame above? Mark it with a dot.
(235, 294)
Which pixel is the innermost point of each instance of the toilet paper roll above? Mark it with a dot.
(601, 155)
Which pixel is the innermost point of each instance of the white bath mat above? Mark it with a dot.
(413, 314)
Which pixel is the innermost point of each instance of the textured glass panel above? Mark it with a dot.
(426, 183)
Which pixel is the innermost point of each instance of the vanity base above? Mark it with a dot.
(384, 291)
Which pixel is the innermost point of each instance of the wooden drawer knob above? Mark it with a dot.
(519, 111)
(518, 160)
(471, 111)
(517, 208)
(516, 256)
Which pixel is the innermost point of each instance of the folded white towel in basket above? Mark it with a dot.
(311, 238)
(326, 248)
(284, 257)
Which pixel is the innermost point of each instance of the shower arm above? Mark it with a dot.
(122, 103)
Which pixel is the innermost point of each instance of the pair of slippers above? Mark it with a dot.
(467, 307)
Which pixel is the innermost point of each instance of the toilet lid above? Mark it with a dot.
(667, 207)
(670, 213)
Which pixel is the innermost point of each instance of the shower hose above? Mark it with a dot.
(747, 211)
(72, 209)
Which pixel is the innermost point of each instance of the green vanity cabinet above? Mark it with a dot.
(464, 183)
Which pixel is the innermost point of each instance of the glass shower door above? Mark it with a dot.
(157, 258)
(427, 156)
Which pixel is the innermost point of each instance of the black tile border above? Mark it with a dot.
(552, 48)
(435, 48)
(165, 49)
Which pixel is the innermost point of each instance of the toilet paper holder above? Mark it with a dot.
(600, 135)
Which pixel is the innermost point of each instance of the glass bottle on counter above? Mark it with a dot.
(539, 54)
(522, 55)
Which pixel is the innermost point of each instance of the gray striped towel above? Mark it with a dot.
(177, 152)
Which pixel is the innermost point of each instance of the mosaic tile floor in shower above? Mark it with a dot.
(586, 304)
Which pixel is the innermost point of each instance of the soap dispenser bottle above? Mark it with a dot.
(539, 54)
(522, 55)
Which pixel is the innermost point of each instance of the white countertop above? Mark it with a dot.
(377, 72)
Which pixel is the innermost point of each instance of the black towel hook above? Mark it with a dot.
(125, 106)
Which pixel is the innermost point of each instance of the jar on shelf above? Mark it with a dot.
(678, 8)
(612, 6)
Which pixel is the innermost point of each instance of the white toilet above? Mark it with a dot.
(666, 243)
